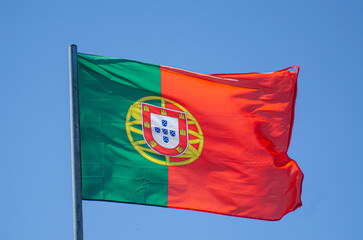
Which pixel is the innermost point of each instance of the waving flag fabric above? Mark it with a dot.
(156, 135)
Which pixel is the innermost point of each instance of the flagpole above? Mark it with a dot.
(75, 142)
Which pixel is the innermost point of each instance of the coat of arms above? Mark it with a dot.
(166, 134)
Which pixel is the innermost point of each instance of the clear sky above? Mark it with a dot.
(324, 37)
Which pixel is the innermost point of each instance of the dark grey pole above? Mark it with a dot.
(76, 145)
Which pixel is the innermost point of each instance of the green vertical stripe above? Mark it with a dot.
(112, 169)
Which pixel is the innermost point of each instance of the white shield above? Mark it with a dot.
(165, 130)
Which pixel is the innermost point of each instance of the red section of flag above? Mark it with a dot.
(246, 120)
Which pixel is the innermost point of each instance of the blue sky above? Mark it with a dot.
(324, 37)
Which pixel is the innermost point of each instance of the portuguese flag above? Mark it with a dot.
(158, 135)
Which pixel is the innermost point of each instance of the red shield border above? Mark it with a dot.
(146, 109)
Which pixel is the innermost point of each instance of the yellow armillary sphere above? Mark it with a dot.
(136, 134)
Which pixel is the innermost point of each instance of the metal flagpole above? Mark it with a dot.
(75, 142)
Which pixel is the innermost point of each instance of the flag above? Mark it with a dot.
(157, 135)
